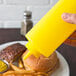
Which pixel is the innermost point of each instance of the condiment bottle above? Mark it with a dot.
(27, 23)
(51, 31)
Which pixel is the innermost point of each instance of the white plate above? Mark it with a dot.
(63, 70)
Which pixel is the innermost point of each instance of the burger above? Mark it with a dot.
(41, 64)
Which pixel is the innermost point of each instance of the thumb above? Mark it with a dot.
(70, 18)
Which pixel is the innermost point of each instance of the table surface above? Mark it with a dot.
(69, 52)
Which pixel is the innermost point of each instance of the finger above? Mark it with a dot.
(70, 18)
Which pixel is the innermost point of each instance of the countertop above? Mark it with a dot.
(69, 52)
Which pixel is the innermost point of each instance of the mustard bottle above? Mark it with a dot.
(51, 31)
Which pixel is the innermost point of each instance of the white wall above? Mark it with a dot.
(11, 11)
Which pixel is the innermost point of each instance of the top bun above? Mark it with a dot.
(41, 64)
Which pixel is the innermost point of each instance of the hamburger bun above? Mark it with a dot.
(41, 64)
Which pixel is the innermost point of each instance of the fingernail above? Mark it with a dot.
(66, 15)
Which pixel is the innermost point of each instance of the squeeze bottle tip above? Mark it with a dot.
(27, 55)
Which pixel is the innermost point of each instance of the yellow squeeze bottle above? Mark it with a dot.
(51, 31)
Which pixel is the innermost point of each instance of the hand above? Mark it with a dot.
(70, 18)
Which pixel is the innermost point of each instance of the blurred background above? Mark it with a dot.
(11, 11)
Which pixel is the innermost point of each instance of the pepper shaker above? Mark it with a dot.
(27, 23)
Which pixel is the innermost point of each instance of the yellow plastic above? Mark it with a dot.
(51, 31)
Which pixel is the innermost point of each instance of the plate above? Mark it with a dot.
(63, 70)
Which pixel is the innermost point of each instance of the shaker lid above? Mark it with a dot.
(27, 14)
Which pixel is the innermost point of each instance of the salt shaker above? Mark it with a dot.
(27, 23)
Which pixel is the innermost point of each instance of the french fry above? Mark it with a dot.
(8, 72)
(20, 64)
(0, 74)
(42, 73)
(14, 73)
(15, 68)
